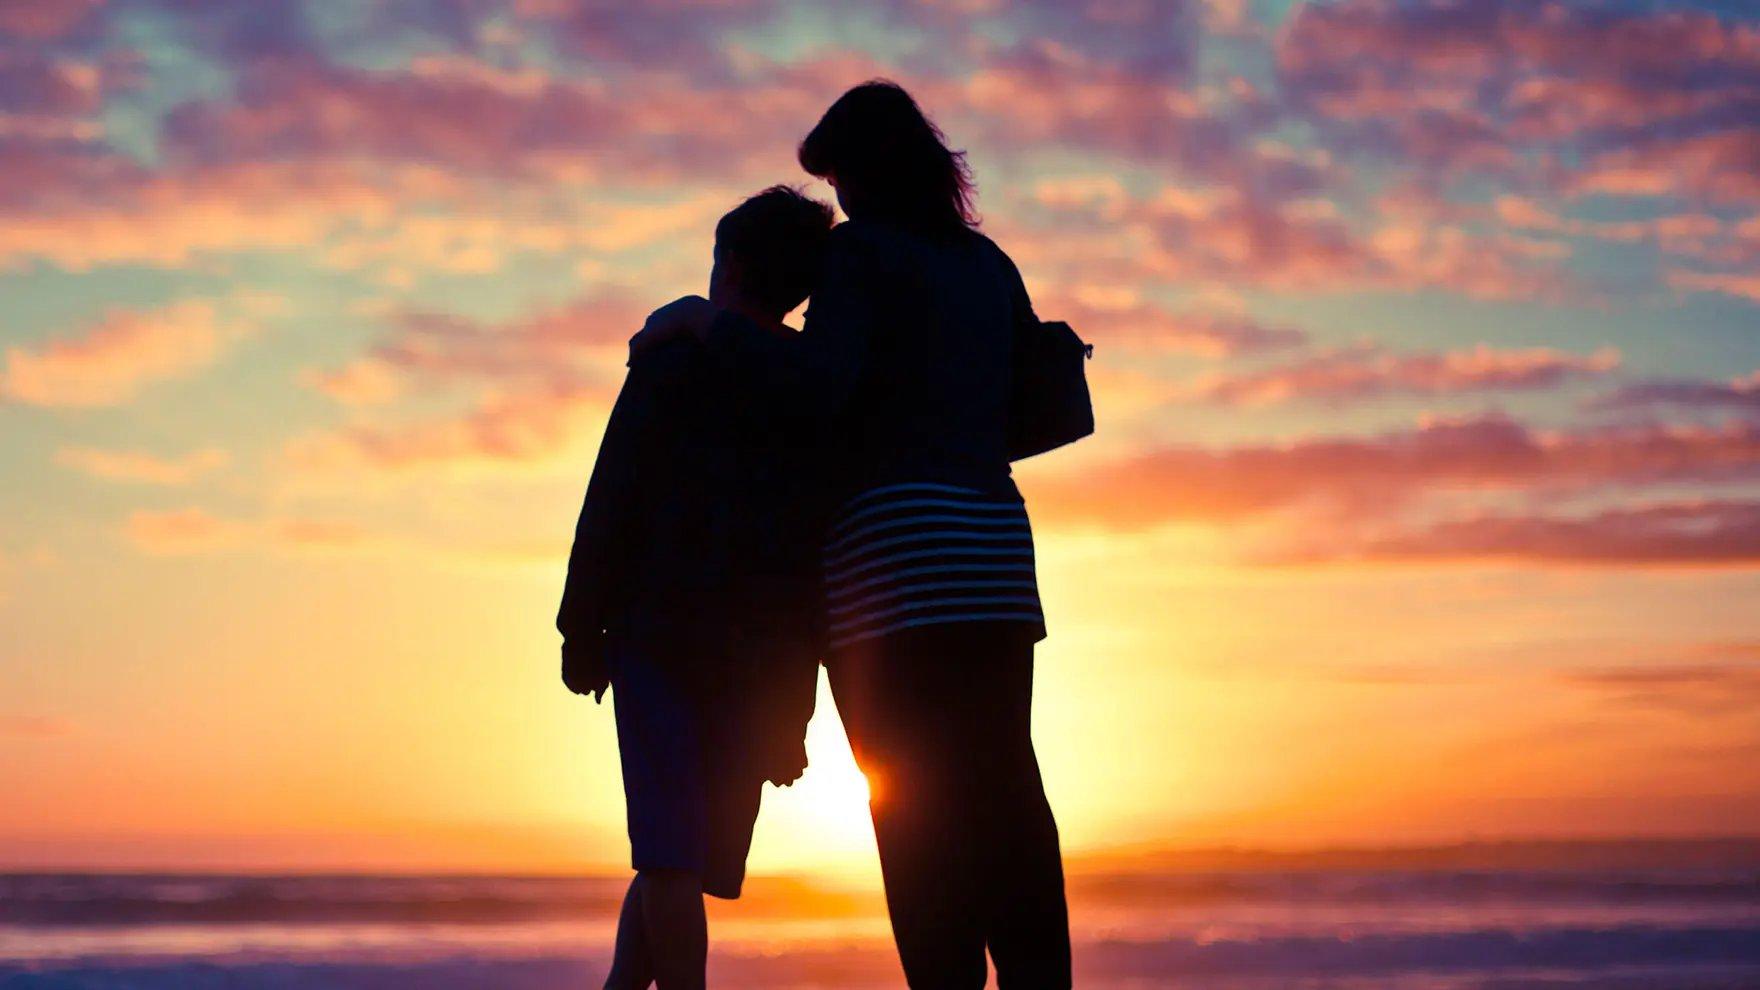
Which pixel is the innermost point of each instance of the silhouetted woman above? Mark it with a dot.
(931, 601)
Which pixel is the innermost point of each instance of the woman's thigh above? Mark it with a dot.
(947, 706)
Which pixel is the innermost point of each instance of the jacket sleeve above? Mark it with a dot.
(1025, 320)
(601, 535)
(809, 375)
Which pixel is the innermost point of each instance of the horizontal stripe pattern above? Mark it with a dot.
(918, 554)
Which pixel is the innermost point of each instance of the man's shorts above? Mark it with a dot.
(688, 807)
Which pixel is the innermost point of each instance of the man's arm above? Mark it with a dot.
(599, 554)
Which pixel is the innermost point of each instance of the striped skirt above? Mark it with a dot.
(920, 554)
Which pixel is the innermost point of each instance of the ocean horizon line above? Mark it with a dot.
(1515, 852)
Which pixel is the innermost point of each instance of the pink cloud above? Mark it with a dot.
(535, 427)
(143, 468)
(1742, 285)
(575, 344)
(1132, 323)
(1225, 235)
(111, 360)
(1704, 533)
(1723, 166)
(1655, 102)
(465, 116)
(42, 20)
(79, 221)
(1368, 371)
(1741, 393)
(33, 84)
(1385, 473)
(540, 382)
(1049, 95)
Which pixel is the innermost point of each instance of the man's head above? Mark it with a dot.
(768, 252)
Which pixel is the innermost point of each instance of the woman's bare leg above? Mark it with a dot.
(631, 966)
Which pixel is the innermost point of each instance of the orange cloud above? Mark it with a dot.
(109, 362)
(1726, 687)
(197, 531)
(1367, 371)
(167, 219)
(523, 429)
(364, 382)
(184, 531)
(135, 466)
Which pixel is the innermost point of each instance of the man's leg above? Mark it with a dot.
(631, 968)
(897, 731)
(678, 930)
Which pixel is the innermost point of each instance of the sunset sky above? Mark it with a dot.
(1425, 502)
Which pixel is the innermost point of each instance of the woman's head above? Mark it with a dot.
(889, 161)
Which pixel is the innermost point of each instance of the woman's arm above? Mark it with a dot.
(808, 374)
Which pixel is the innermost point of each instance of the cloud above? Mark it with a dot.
(537, 385)
(1721, 167)
(139, 467)
(467, 117)
(362, 382)
(1385, 473)
(1048, 95)
(1699, 533)
(1694, 689)
(35, 85)
(1227, 235)
(84, 213)
(194, 531)
(531, 428)
(41, 21)
(1127, 321)
(190, 531)
(1740, 285)
(1369, 371)
(184, 531)
(578, 342)
(108, 362)
(1740, 394)
(1653, 102)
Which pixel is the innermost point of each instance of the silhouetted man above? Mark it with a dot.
(692, 593)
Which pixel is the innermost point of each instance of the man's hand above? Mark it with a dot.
(791, 763)
(584, 667)
(686, 315)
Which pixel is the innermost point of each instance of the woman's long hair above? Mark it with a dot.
(886, 155)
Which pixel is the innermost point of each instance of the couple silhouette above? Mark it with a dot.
(765, 500)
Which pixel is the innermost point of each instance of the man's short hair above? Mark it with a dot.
(779, 237)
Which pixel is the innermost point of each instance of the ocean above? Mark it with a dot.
(1339, 922)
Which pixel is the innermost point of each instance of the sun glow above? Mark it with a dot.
(821, 823)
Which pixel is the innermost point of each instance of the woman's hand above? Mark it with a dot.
(685, 315)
